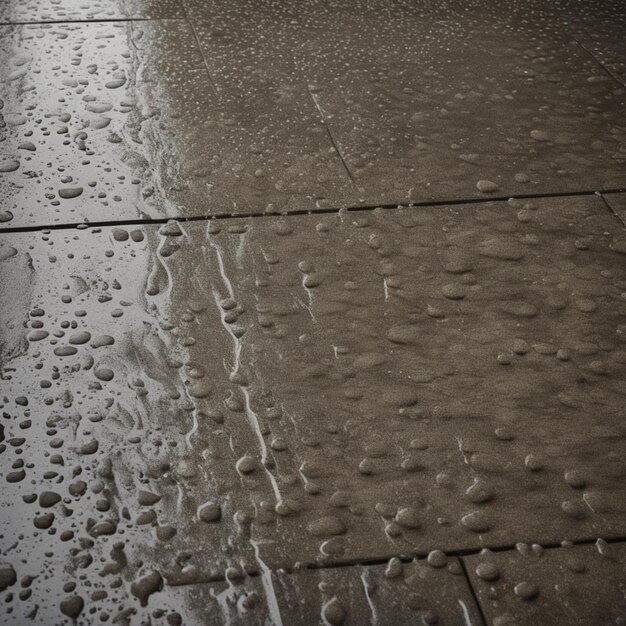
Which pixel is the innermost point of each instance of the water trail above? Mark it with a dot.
(251, 415)
(466, 615)
(268, 587)
(373, 611)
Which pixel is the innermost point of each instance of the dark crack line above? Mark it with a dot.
(457, 553)
(409, 558)
(604, 67)
(617, 216)
(472, 590)
(195, 35)
(332, 139)
(329, 211)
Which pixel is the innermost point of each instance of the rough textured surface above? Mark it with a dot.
(569, 585)
(298, 413)
(320, 389)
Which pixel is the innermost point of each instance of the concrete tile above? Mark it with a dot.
(397, 593)
(423, 101)
(12, 11)
(128, 114)
(323, 388)
(569, 585)
(434, 371)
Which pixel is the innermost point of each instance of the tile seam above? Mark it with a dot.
(300, 212)
(473, 592)
(456, 553)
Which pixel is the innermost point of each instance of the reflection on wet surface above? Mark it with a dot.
(300, 413)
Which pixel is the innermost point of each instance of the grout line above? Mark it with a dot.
(409, 558)
(94, 21)
(619, 218)
(470, 585)
(461, 552)
(318, 211)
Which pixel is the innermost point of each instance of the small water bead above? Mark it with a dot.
(67, 193)
(603, 548)
(147, 498)
(333, 613)
(104, 374)
(480, 492)
(65, 351)
(8, 166)
(408, 518)
(503, 433)
(477, 521)
(171, 229)
(119, 234)
(326, 526)
(394, 568)
(80, 338)
(575, 479)
(487, 570)
(437, 559)
(574, 509)
(367, 467)
(486, 186)
(144, 587)
(539, 135)
(526, 591)
(246, 464)
(533, 463)
(72, 606)
(454, 291)
(48, 499)
(210, 512)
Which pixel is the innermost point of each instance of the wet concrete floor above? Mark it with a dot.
(312, 313)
